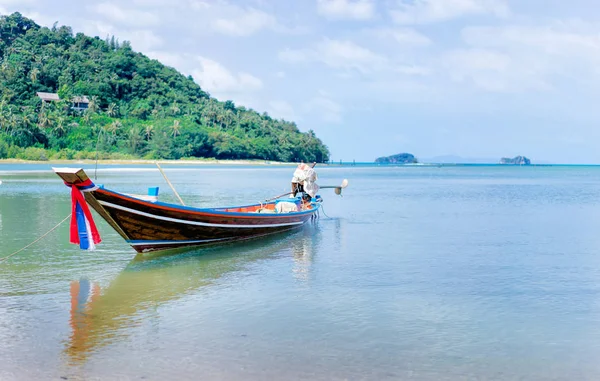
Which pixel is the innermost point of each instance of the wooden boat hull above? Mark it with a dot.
(157, 226)
(151, 226)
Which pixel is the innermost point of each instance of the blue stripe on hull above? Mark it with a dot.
(84, 240)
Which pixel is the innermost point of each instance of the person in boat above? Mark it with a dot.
(299, 177)
(303, 181)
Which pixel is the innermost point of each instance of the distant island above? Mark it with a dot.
(401, 158)
(519, 160)
(65, 95)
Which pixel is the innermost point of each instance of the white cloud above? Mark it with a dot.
(219, 81)
(346, 9)
(296, 55)
(432, 11)
(38, 18)
(244, 23)
(403, 36)
(411, 70)
(348, 58)
(282, 110)
(527, 57)
(572, 40)
(169, 59)
(159, 3)
(480, 60)
(497, 72)
(403, 90)
(220, 17)
(143, 40)
(348, 55)
(337, 54)
(248, 82)
(198, 5)
(123, 16)
(486, 69)
(214, 77)
(327, 109)
(15, 2)
(98, 28)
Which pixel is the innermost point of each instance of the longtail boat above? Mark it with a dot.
(149, 225)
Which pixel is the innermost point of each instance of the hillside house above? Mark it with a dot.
(78, 103)
(48, 97)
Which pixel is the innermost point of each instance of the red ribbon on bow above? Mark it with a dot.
(77, 197)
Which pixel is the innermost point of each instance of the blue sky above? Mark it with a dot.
(475, 78)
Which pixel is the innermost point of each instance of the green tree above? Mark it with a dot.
(148, 130)
(175, 128)
(112, 110)
(93, 105)
(33, 74)
(134, 139)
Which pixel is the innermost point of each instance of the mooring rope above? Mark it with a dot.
(48, 232)
(323, 210)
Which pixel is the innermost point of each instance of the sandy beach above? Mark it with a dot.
(142, 161)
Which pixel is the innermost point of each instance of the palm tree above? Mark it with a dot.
(211, 114)
(44, 120)
(115, 126)
(87, 116)
(134, 139)
(175, 127)
(33, 74)
(148, 131)
(175, 109)
(4, 66)
(27, 119)
(204, 120)
(101, 132)
(59, 128)
(219, 119)
(3, 121)
(5, 113)
(112, 110)
(115, 80)
(23, 135)
(228, 119)
(12, 123)
(93, 105)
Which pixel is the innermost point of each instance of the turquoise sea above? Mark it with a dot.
(416, 273)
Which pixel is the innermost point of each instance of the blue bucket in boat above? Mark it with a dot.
(153, 191)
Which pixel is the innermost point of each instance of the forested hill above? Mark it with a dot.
(137, 107)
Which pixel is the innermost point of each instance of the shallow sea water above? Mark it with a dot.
(420, 273)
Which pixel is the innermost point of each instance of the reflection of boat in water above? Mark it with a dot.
(100, 317)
